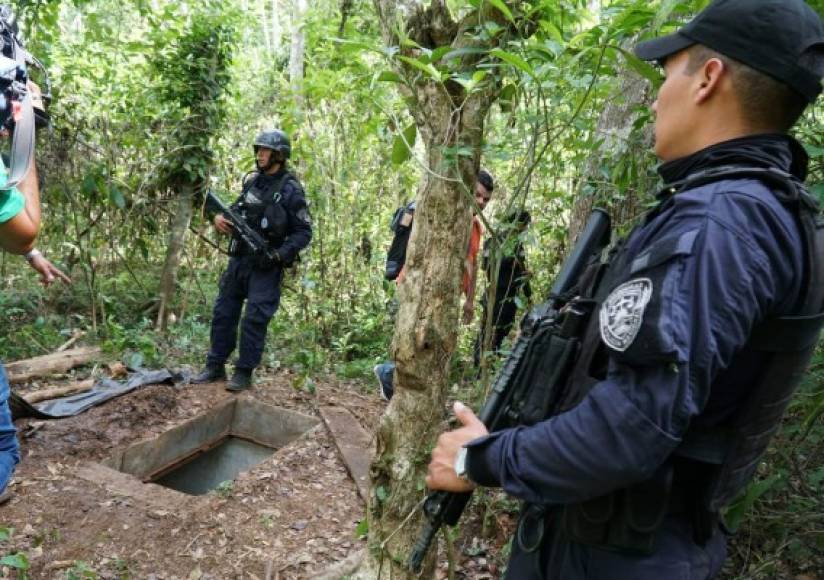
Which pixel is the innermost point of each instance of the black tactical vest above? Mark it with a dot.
(712, 465)
(261, 205)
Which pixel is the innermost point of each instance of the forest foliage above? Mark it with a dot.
(154, 101)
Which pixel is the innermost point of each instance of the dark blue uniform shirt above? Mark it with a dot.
(718, 259)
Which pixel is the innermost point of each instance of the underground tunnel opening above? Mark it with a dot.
(214, 447)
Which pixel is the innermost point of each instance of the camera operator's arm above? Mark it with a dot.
(20, 214)
(48, 271)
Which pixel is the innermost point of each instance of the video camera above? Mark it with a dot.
(14, 74)
(22, 107)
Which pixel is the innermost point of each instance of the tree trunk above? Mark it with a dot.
(177, 236)
(345, 9)
(296, 51)
(264, 29)
(428, 318)
(277, 33)
(620, 141)
(425, 332)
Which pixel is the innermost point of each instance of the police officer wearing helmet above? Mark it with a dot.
(707, 316)
(273, 203)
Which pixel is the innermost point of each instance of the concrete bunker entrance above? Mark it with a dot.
(197, 456)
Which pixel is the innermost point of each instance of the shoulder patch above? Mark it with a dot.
(622, 313)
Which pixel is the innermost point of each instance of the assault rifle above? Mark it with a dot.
(251, 238)
(530, 385)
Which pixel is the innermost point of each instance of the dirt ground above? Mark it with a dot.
(291, 516)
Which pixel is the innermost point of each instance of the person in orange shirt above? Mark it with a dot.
(483, 193)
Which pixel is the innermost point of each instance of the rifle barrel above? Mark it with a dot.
(595, 234)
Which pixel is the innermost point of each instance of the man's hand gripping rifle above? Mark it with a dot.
(530, 385)
(250, 237)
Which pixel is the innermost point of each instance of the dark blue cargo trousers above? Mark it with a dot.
(9, 447)
(260, 289)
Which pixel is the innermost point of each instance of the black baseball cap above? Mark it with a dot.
(485, 179)
(767, 35)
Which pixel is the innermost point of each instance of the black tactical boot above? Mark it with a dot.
(209, 374)
(241, 380)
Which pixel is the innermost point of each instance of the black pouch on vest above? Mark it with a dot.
(625, 520)
(274, 223)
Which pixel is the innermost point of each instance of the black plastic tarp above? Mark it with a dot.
(102, 391)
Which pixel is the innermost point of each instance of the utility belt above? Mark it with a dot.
(627, 520)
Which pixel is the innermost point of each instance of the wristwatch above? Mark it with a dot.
(460, 464)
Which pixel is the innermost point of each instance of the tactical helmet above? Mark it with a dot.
(276, 140)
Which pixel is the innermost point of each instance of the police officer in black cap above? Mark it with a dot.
(706, 317)
(273, 203)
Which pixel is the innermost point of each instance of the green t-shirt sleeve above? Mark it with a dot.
(11, 200)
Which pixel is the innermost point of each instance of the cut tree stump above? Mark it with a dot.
(353, 442)
(24, 370)
(56, 392)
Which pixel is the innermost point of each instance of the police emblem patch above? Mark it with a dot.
(622, 313)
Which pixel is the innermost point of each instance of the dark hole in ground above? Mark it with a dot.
(221, 463)
(214, 447)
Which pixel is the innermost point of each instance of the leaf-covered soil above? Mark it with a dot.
(291, 516)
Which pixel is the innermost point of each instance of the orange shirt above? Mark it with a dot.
(472, 253)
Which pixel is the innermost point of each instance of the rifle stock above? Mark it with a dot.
(546, 347)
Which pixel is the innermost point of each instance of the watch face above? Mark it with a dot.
(460, 463)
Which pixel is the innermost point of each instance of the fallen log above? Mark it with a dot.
(57, 392)
(77, 335)
(58, 362)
